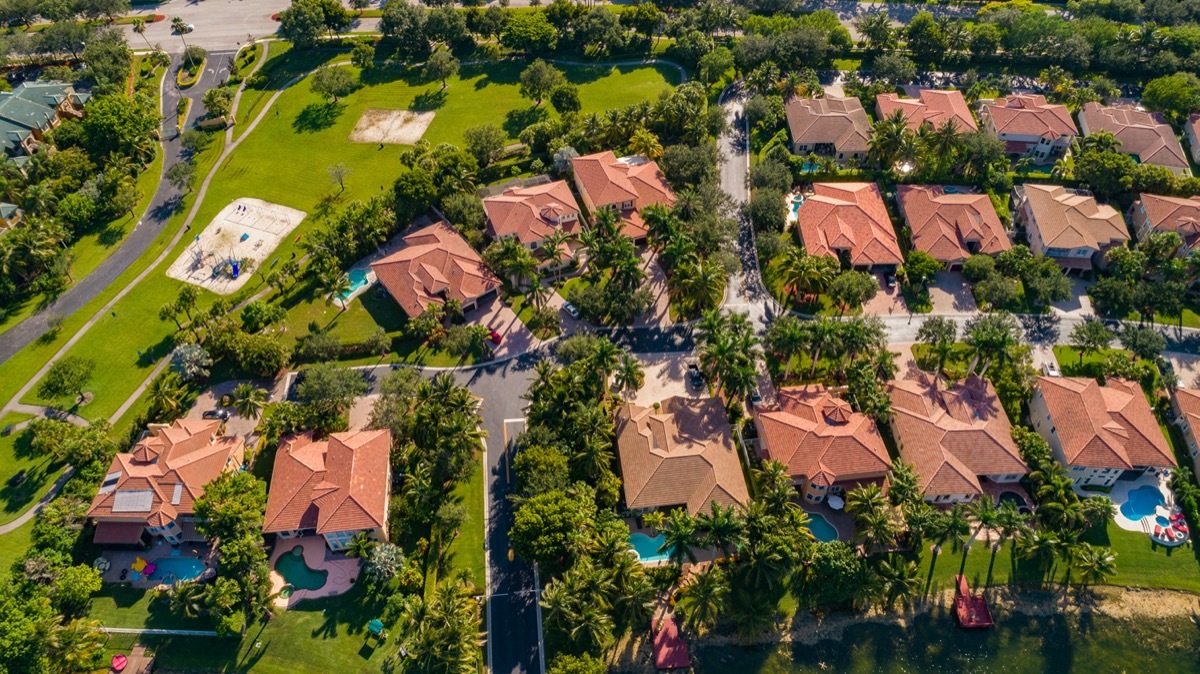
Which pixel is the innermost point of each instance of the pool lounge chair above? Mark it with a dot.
(1157, 531)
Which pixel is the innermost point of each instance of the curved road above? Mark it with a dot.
(164, 204)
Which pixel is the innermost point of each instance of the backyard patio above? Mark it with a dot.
(1147, 505)
(160, 565)
(304, 568)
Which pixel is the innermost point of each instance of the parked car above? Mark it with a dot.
(189, 27)
(695, 379)
(755, 397)
(215, 414)
(1051, 369)
(890, 279)
(570, 309)
(495, 336)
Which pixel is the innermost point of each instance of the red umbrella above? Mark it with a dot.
(118, 662)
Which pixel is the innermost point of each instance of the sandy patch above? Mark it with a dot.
(245, 231)
(394, 127)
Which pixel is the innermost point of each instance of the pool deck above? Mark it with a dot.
(1120, 494)
(121, 559)
(704, 556)
(342, 570)
(840, 520)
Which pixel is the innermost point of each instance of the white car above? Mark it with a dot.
(570, 309)
(1051, 369)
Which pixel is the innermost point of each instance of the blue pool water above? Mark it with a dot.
(1142, 502)
(821, 528)
(796, 203)
(171, 569)
(358, 279)
(647, 549)
(1162, 521)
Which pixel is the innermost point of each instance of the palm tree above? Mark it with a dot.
(723, 527)
(552, 245)
(629, 375)
(139, 27)
(826, 335)
(75, 646)
(888, 138)
(702, 599)
(679, 535)
(645, 143)
(249, 400)
(876, 528)
(1095, 563)
(700, 286)
(166, 394)
(360, 546)
(180, 26)
(188, 599)
(803, 274)
(336, 286)
(898, 580)
(956, 527)
(983, 510)
(604, 360)
(593, 629)
(866, 499)
(787, 336)
(539, 293)
(991, 338)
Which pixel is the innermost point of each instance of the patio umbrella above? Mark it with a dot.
(102, 564)
(836, 502)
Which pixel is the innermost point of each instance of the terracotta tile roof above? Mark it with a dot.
(1108, 426)
(532, 213)
(848, 216)
(435, 264)
(1192, 125)
(118, 533)
(820, 439)
(608, 181)
(1173, 214)
(163, 475)
(1143, 134)
(942, 223)
(1069, 218)
(1188, 401)
(337, 484)
(834, 120)
(934, 107)
(953, 435)
(681, 455)
(1030, 115)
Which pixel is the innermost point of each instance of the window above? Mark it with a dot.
(338, 540)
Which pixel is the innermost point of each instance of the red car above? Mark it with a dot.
(495, 336)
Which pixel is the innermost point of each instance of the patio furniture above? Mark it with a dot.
(375, 628)
(836, 502)
(102, 564)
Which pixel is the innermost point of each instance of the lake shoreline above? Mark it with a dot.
(1133, 608)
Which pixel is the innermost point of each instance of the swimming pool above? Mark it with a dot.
(821, 529)
(358, 279)
(291, 566)
(1141, 502)
(797, 202)
(647, 548)
(173, 569)
(1012, 496)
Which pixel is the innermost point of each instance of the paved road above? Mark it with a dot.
(166, 200)
(221, 25)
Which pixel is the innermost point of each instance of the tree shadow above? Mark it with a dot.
(167, 208)
(110, 236)
(430, 99)
(318, 116)
(518, 120)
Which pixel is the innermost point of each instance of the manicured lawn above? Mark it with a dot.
(15, 457)
(823, 306)
(1068, 360)
(466, 551)
(524, 311)
(322, 635)
(13, 545)
(121, 605)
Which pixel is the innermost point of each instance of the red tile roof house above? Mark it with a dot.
(530, 214)
(1191, 130)
(152, 489)
(956, 437)
(934, 107)
(334, 487)
(832, 126)
(850, 220)
(1185, 402)
(951, 223)
(1098, 432)
(1152, 213)
(436, 264)
(628, 185)
(1146, 136)
(1068, 225)
(1029, 126)
(827, 447)
(680, 455)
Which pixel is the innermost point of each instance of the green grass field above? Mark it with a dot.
(15, 457)
(466, 551)
(14, 544)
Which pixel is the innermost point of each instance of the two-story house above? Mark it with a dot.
(1145, 136)
(32, 110)
(626, 185)
(1098, 433)
(151, 491)
(1029, 126)
(1152, 213)
(932, 108)
(956, 436)
(827, 447)
(850, 222)
(831, 126)
(334, 487)
(1068, 225)
(530, 214)
(951, 223)
(1185, 402)
(436, 264)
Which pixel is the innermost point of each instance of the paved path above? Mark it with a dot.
(140, 630)
(37, 507)
(162, 206)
